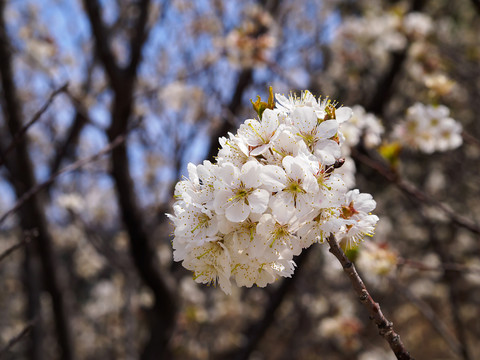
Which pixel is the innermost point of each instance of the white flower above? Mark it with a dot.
(233, 150)
(258, 134)
(294, 186)
(356, 211)
(417, 24)
(274, 190)
(237, 193)
(210, 264)
(278, 236)
(429, 129)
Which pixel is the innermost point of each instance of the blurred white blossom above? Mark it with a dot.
(429, 128)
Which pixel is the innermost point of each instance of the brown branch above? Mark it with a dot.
(244, 80)
(430, 315)
(32, 121)
(102, 41)
(139, 37)
(17, 338)
(476, 5)
(14, 247)
(142, 252)
(415, 193)
(257, 330)
(443, 267)
(23, 178)
(385, 327)
(385, 88)
(72, 137)
(32, 283)
(72, 167)
(452, 279)
(470, 139)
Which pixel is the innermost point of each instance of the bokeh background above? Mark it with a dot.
(86, 269)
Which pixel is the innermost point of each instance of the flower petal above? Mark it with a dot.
(258, 200)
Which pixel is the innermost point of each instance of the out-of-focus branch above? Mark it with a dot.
(385, 87)
(32, 121)
(144, 256)
(470, 139)
(257, 330)
(72, 137)
(23, 179)
(102, 41)
(385, 327)
(24, 332)
(244, 80)
(72, 167)
(476, 5)
(139, 37)
(443, 267)
(13, 248)
(452, 279)
(413, 192)
(430, 315)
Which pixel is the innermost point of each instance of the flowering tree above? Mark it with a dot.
(115, 114)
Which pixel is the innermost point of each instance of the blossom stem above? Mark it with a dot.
(384, 326)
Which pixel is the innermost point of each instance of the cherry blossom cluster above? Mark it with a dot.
(429, 128)
(274, 190)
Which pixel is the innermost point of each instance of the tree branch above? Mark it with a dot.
(72, 167)
(32, 121)
(33, 215)
(144, 256)
(476, 5)
(257, 330)
(430, 315)
(17, 338)
(14, 247)
(385, 327)
(102, 41)
(415, 193)
(139, 37)
(385, 87)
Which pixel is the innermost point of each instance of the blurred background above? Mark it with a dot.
(86, 268)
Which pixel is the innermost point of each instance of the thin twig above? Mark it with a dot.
(12, 248)
(470, 139)
(385, 327)
(72, 167)
(443, 267)
(32, 121)
(430, 315)
(17, 337)
(415, 193)
(27, 237)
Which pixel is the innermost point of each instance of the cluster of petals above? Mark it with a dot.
(274, 190)
(429, 128)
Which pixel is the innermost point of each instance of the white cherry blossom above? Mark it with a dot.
(277, 187)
